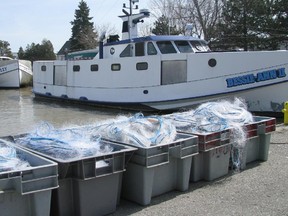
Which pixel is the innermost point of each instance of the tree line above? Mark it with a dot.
(225, 24)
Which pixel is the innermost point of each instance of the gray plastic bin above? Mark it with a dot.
(258, 136)
(156, 170)
(86, 188)
(212, 162)
(96, 196)
(27, 192)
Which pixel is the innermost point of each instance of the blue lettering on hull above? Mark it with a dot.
(259, 77)
(3, 69)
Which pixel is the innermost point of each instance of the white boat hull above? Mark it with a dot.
(15, 73)
(262, 99)
(259, 77)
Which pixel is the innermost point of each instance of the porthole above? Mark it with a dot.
(43, 68)
(142, 66)
(212, 62)
(76, 68)
(94, 67)
(115, 67)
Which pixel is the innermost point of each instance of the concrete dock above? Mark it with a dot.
(259, 190)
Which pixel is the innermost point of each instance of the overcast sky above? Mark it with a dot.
(23, 22)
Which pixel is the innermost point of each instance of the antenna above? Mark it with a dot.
(131, 3)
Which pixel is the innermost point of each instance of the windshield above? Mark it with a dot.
(183, 46)
(166, 47)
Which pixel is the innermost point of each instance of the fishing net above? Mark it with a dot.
(217, 116)
(9, 159)
(137, 130)
(64, 144)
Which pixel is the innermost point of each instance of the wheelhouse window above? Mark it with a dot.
(183, 46)
(43, 68)
(205, 45)
(166, 47)
(127, 52)
(115, 67)
(139, 49)
(151, 50)
(94, 67)
(199, 46)
(142, 66)
(76, 68)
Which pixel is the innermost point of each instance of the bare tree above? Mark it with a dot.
(145, 29)
(202, 15)
(107, 29)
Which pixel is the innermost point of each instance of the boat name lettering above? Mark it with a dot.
(259, 77)
(3, 69)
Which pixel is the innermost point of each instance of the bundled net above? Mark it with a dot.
(64, 144)
(217, 116)
(9, 159)
(137, 130)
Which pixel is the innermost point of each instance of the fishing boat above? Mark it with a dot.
(15, 73)
(164, 73)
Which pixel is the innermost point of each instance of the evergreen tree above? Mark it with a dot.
(34, 52)
(162, 27)
(278, 28)
(253, 25)
(83, 33)
(47, 48)
(5, 49)
(242, 24)
(21, 53)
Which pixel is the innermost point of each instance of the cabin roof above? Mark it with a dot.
(155, 38)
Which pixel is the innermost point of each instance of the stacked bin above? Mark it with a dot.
(212, 162)
(90, 185)
(213, 159)
(27, 192)
(258, 136)
(155, 170)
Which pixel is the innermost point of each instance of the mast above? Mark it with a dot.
(130, 20)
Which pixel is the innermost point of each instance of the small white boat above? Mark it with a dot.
(15, 73)
(164, 73)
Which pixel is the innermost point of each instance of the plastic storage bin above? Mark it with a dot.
(91, 185)
(156, 170)
(258, 136)
(212, 162)
(27, 192)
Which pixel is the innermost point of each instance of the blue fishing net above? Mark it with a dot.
(9, 159)
(137, 130)
(214, 117)
(64, 144)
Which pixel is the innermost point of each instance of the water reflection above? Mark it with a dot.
(20, 112)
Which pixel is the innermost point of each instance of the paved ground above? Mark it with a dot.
(260, 190)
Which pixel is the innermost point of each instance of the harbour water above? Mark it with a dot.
(21, 112)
